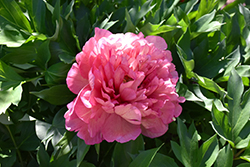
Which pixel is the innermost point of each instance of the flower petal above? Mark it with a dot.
(74, 79)
(129, 113)
(159, 42)
(116, 128)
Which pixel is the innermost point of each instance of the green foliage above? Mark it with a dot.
(209, 43)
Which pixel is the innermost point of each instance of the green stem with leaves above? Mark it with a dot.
(14, 142)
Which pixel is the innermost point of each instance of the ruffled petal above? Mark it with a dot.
(74, 79)
(158, 42)
(130, 113)
(118, 129)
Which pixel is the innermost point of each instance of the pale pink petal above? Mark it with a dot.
(153, 127)
(159, 42)
(74, 79)
(84, 134)
(100, 33)
(118, 129)
(82, 106)
(129, 113)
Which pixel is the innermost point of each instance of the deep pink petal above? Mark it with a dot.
(120, 130)
(159, 42)
(168, 112)
(128, 94)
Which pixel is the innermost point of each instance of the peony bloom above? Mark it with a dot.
(125, 86)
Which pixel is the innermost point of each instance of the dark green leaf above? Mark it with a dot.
(225, 157)
(9, 77)
(42, 156)
(10, 10)
(209, 151)
(145, 158)
(37, 12)
(43, 55)
(161, 160)
(7, 157)
(125, 150)
(238, 115)
(24, 54)
(57, 95)
(57, 73)
(81, 152)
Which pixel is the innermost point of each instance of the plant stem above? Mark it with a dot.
(238, 153)
(14, 142)
(31, 79)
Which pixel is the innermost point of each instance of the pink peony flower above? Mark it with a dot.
(125, 86)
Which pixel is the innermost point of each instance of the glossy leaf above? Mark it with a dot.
(144, 158)
(10, 96)
(163, 161)
(125, 150)
(8, 76)
(12, 13)
(225, 157)
(42, 156)
(81, 152)
(56, 95)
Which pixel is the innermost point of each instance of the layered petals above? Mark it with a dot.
(125, 86)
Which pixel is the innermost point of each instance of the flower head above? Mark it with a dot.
(125, 86)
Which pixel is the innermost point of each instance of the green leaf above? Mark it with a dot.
(10, 10)
(10, 35)
(23, 54)
(10, 96)
(125, 150)
(42, 156)
(185, 92)
(208, 151)
(145, 158)
(37, 13)
(239, 114)
(63, 161)
(57, 73)
(129, 26)
(188, 64)
(81, 151)
(43, 55)
(220, 124)
(246, 154)
(225, 157)
(137, 12)
(57, 95)
(68, 10)
(243, 165)
(7, 157)
(204, 23)
(188, 143)
(210, 85)
(206, 7)
(26, 138)
(65, 144)
(8, 76)
(161, 160)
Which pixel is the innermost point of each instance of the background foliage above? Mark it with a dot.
(210, 47)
